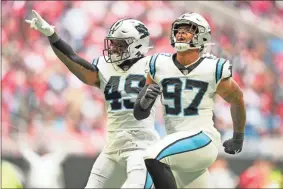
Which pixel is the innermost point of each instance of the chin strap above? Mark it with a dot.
(181, 47)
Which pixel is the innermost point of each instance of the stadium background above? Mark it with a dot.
(46, 108)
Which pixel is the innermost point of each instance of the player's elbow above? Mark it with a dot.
(84, 80)
(89, 82)
(139, 113)
(239, 99)
(138, 117)
(88, 78)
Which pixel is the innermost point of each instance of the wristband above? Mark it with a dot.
(53, 38)
(238, 136)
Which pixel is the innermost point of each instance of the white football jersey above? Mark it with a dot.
(121, 89)
(188, 93)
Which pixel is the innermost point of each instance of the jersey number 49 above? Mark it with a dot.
(131, 86)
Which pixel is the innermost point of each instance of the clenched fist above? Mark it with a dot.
(152, 91)
(235, 144)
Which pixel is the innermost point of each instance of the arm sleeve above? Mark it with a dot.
(60, 45)
(81, 68)
(139, 112)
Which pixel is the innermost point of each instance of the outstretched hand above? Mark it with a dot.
(38, 23)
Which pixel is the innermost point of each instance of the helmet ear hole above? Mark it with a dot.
(201, 49)
(137, 47)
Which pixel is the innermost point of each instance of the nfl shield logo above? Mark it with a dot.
(185, 72)
(126, 68)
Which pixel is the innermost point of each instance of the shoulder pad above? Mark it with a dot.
(166, 54)
(209, 56)
(153, 60)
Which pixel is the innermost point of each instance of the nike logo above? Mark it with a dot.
(237, 151)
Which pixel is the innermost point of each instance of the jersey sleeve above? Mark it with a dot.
(223, 70)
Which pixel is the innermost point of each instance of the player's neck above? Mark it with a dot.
(188, 57)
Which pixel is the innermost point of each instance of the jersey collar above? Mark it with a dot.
(182, 68)
(127, 64)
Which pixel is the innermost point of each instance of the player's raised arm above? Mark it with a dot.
(229, 90)
(84, 70)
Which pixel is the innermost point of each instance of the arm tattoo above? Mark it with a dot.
(237, 109)
(238, 113)
(234, 96)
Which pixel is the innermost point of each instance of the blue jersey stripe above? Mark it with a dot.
(187, 144)
(148, 181)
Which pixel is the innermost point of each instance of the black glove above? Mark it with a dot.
(235, 144)
(152, 91)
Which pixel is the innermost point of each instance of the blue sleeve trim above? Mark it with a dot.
(152, 66)
(219, 69)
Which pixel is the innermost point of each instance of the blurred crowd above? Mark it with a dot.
(262, 173)
(261, 11)
(44, 102)
(257, 65)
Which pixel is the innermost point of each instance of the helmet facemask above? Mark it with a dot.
(117, 49)
(191, 27)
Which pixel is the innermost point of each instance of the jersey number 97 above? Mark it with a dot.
(176, 95)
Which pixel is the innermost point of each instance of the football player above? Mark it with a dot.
(120, 75)
(189, 84)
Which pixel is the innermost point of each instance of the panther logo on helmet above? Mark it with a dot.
(115, 26)
(142, 30)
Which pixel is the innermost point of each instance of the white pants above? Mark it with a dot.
(188, 154)
(118, 170)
